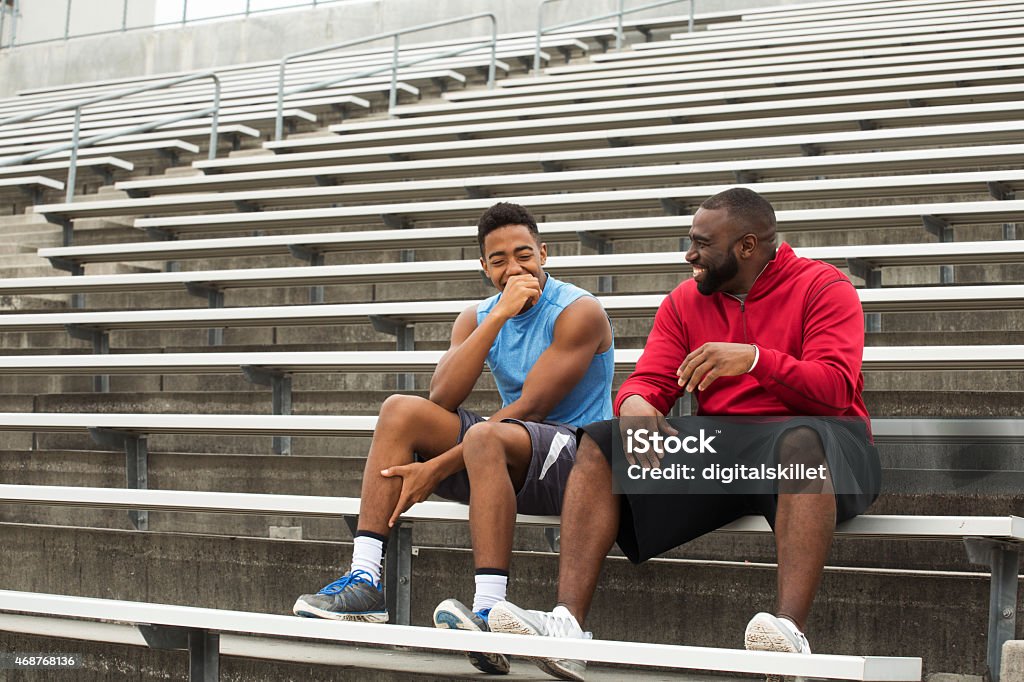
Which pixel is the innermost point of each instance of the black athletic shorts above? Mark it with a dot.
(651, 524)
(554, 453)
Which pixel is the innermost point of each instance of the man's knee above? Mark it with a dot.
(801, 444)
(590, 456)
(402, 409)
(483, 444)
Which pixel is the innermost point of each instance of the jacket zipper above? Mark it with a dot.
(743, 315)
(743, 303)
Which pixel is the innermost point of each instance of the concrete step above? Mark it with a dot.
(25, 260)
(15, 248)
(31, 304)
(858, 611)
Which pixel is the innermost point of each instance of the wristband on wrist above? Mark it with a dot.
(757, 356)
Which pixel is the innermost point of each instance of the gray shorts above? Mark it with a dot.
(554, 453)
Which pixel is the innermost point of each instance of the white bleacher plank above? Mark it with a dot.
(761, 169)
(49, 131)
(235, 96)
(58, 169)
(774, 71)
(32, 181)
(906, 526)
(821, 74)
(122, 143)
(1009, 528)
(753, 16)
(933, 31)
(729, 660)
(901, 54)
(140, 148)
(806, 11)
(256, 425)
(959, 253)
(760, 90)
(854, 217)
(666, 109)
(754, 30)
(970, 430)
(798, 52)
(889, 14)
(832, 189)
(984, 122)
(568, 180)
(358, 95)
(902, 299)
(876, 358)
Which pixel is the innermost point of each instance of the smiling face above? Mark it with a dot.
(513, 250)
(713, 252)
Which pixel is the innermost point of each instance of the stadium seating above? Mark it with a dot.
(329, 265)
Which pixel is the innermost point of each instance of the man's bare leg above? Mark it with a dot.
(804, 525)
(407, 424)
(497, 457)
(590, 523)
(497, 460)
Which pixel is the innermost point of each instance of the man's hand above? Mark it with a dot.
(418, 481)
(637, 413)
(518, 291)
(712, 360)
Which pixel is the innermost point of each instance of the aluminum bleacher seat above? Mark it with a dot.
(873, 256)
(558, 164)
(847, 218)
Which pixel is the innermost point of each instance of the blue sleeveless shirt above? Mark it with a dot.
(524, 337)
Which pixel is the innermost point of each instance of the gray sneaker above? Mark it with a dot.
(453, 614)
(509, 618)
(352, 597)
(766, 632)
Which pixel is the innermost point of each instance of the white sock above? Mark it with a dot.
(490, 589)
(366, 556)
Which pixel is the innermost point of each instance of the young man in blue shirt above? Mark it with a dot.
(549, 346)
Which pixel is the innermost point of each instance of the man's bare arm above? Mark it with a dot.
(581, 332)
(461, 366)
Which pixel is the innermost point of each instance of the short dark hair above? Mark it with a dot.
(747, 205)
(501, 214)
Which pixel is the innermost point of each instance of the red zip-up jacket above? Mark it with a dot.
(805, 318)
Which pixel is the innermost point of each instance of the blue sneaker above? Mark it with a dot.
(352, 597)
(453, 614)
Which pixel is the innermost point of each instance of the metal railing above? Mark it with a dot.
(14, 11)
(124, 20)
(621, 12)
(76, 143)
(393, 67)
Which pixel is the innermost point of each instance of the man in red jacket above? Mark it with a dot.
(756, 331)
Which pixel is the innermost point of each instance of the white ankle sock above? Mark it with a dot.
(366, 556)
(490, 589)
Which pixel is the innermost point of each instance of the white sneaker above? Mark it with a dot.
(509, 618)
(765, 632)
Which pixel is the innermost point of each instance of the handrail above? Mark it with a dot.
(393, 67)
(618, 33)
(77, 144)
